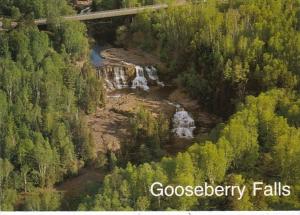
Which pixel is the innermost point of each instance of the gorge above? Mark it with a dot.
(119, 75)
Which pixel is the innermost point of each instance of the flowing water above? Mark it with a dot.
(117, 78)
(183, 124)
(140, 81)
(152, 74)
(108, 84)
(96, 58)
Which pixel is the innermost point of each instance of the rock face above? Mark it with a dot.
(126, 75)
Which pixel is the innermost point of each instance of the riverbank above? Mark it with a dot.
(110, 126)
(130, 55)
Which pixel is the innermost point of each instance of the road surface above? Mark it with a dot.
(100, 14)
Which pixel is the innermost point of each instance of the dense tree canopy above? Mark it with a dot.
(239, 154)
(114, 4)
(224, 51)
(34, 8)
(240, 57)
(42, 96)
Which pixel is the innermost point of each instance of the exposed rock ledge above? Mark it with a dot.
(134, 56)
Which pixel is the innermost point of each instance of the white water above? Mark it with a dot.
(108, 83)
(173, 104)
(119, 78)
(85, 10)
(139, 81)
(152, 74)
(116, 77)
(183, 124)
(114, 96)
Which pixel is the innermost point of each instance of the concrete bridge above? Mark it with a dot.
(108, 13)
(102, 14)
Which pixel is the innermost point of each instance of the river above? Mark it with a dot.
(96, 58)
(110, 124)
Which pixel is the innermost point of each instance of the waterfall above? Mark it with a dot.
(119, 78)
(152, 74)
(140, 80)
(183, 124)
(85, 10)
(108, 84)
(116, 77)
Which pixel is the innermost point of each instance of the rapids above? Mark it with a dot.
(140, 81)
(183, 124)
(119, 77)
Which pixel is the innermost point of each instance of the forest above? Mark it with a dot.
(259, 141)
(239, 59)
(223, 52)
(43, 95)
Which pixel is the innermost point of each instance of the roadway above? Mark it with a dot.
(100, 14)
(107, 13)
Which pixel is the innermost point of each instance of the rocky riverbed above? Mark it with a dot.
(110, 125)
(132, 80)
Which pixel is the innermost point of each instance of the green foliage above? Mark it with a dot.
(43, 200)
(43, 93)
(211, 160)
(149, 134)
(106, 4)
(121, 35)
(71, 37)
(255, 131)
(225, 51)
(8, 199)
(115, 4)
(220, 51)
(8, 196)
(35, 8)
(234, 203)
(90, 90)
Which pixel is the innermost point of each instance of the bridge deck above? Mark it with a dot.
(107, 13)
